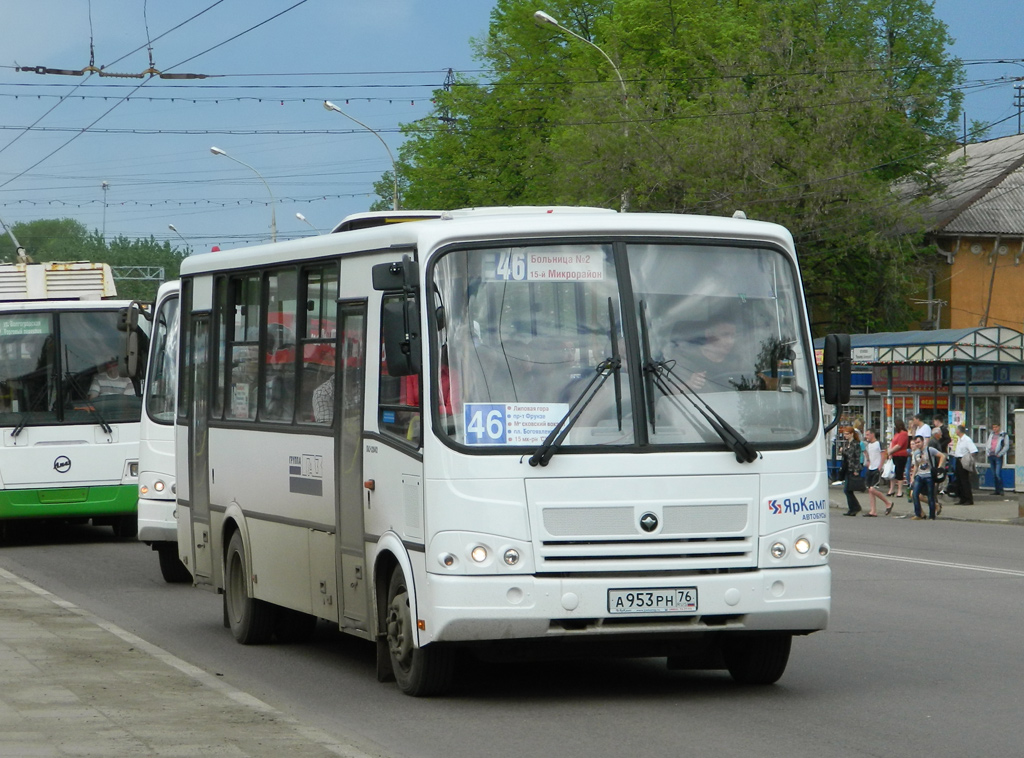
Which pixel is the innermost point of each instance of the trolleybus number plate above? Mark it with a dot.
(662, 600)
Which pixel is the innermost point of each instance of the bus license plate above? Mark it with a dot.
(663, 600)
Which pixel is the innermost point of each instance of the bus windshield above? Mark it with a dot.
(689, 334)
(62, 367)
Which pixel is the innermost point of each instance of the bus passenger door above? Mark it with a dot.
(350, 367)
(199, 461)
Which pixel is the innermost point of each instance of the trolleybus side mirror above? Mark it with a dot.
(133, 363)
(836, 367)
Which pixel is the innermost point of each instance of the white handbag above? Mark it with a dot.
(889, 469)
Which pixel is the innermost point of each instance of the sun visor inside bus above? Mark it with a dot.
(399, 275)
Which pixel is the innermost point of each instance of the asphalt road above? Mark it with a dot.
(922, 658)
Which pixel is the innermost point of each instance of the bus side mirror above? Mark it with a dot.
(400, 328)
(399, 275)
(836, 369)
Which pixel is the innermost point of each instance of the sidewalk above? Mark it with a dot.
(74, 684)
(1006, 509)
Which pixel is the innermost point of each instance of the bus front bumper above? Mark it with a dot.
(477, 608)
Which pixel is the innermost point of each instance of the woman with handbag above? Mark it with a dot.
(853, 461)
(898, 452)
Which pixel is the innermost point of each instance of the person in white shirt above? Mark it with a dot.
(965, 448)
(876, 457)
(110, 382)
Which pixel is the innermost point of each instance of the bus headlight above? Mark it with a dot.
(778, 550)
(802, 546)
(511, 556)
(479, 554)
(158, 485)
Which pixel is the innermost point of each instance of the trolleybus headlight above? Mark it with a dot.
(802, 546)
(479, 554)
(778, 550)
(511, 556)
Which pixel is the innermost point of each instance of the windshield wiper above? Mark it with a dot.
(556, 436)
(671, 386)
(659, 374)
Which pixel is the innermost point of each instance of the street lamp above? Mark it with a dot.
(394, 168)
(305, 220)
(273, 215)
(173, 229)
(544, 19)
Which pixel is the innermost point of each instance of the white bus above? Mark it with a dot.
(505, 429)
(158, 527)
(69, 416)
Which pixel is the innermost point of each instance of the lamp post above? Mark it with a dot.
(273, 215)
(174, 229)
(305, 220)
(105, 186)
(394, 168)
(545, 19)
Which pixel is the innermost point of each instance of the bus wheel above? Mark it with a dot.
(757, 659)
(421, 671)
(251, 620)
(173, 570)
(125, 527)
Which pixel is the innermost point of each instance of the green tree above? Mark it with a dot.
(804, 112)
(66, 239)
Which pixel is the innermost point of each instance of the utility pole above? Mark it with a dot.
(1018, 100)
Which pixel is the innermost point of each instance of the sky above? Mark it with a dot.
(131, 156)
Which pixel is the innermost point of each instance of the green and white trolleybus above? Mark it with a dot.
(69, 418)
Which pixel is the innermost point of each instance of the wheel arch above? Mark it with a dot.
(234, 522)
(392, 554)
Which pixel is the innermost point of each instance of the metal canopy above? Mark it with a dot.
(993, 344)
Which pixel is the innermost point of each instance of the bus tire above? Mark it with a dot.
(125, 527)
(173, 570)
(251, 620)
(757, 658)
(419, 671)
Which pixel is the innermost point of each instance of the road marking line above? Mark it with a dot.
(927, 562)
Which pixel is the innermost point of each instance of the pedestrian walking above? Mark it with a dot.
(924, 459)
(875, 458)
(853, 462)
(964, 454)
(996, 447)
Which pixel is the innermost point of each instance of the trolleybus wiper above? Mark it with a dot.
(557, 435)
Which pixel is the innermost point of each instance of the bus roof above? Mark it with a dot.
(480, 225)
